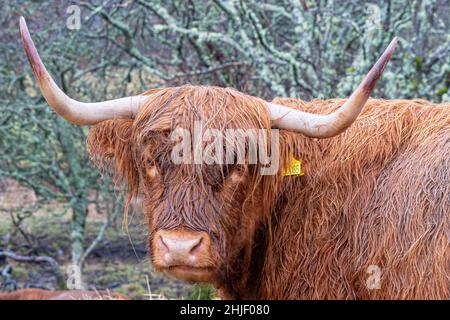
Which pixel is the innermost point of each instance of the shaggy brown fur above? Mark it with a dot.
(39, 294)
(378, 194)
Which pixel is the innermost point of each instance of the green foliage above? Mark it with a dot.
(442, 91)
(306, 49)
(202, 292)
(18, 272)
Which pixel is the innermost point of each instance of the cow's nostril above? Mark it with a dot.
(196, 245)
(163, 245)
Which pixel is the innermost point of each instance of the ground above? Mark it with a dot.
(113, 264)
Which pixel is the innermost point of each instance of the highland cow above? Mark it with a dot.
(367, 217)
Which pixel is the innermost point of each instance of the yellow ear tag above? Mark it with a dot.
(294, 169)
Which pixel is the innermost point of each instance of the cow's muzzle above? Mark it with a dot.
(183, 254)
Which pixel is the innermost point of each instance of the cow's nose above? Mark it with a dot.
(173, 243)
(181, 247)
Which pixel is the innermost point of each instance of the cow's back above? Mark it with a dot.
(371, 216)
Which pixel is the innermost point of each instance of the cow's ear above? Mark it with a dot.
(109, 142)
(108, 138)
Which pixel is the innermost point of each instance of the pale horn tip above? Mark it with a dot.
(31, 51)
(375, 73)
(23, 28)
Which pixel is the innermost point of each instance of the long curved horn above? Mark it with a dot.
(325, 126)
(74, 111)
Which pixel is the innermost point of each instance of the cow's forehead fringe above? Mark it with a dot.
(218, 108)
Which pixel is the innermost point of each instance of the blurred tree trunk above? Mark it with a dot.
(78, 224)
(79, 203)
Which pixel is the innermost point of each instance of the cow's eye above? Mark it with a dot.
(237, 175)
(233, 179)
